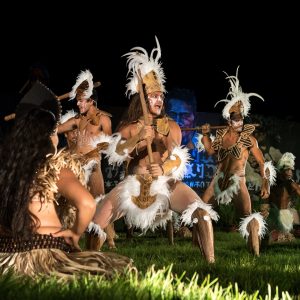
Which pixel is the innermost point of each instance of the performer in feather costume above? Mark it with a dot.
(281, 216)
(36, 236)
(150, 144)
(232, 146)
(93, 129)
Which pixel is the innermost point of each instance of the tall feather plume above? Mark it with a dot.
(84, 75)
(236, 94)
(137, 59)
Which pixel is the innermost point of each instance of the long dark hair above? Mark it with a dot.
(22, 155)
(134, 111)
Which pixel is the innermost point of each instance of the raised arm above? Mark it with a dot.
(67, 126)
(206, 140)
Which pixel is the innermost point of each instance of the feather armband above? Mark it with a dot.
(175, 166)
(117, 150)
(270, 173)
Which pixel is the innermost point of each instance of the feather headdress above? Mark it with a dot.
(151, 70)
(84, 85)
(239, 101)
(287, 161)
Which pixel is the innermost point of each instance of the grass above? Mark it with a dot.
(179, 272)
(278, 265)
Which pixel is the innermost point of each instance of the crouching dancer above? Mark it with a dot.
(156, 163)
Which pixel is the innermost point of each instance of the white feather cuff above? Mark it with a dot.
(88, 169)
(102, 138)
(97, 230)
(67, 116)
(245, 221)
(186, 217)
(268, 166)
(113, 157)
(183, 154)
(199, 145)
(99, 198)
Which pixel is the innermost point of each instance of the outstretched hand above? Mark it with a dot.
(70, 237)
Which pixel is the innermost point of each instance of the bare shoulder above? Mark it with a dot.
(76, 119)
(71, 188)
(104, 113)
(173, 125)
(129, 130)
(66, 174)
(105, 119)
(175, 135)
(253, 140)
(67, 181)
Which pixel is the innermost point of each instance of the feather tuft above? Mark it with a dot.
(84, 75)
(67, 116)
(287, 161)
(236, 94)
(139, 59)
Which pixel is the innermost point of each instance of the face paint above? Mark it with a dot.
(156, 102)
(237, 125)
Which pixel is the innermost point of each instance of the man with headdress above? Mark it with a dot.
(93, 125)
(280, 215)
(232, 146)
(71, 135)
(155, 160)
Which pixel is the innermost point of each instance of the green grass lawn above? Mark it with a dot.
(278, 265)
(179, 272)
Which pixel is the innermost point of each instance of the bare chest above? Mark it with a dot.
(229, 141)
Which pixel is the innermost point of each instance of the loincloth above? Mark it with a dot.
(145, 201)
(230, 186)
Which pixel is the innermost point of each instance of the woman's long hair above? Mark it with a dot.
(134, 111)
(23, 153)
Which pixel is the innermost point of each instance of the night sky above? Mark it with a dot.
(197, 46)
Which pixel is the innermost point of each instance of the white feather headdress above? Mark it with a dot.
(151, 70)
(287, 161)
(83, 76)
(237, 97)
(68, 115)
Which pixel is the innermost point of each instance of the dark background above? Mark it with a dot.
(198, 43)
